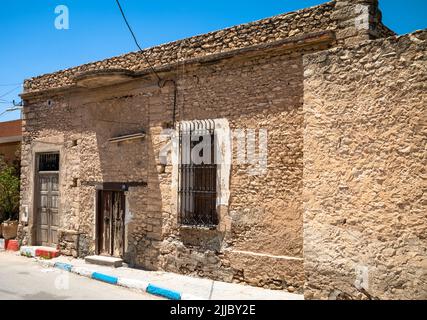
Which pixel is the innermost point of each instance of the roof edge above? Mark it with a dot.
(182, 41)
(292, 43)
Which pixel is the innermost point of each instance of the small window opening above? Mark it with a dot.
(49, 162)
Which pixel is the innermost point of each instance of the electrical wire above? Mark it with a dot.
(136, 40)
(9, 92)
(175, 95)
(10, 84)
(4, 112)
(175, 98)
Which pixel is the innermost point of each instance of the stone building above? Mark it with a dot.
(319, 187)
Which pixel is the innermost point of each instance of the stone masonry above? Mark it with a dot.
(352, 20)
(364, 170)
(266, 75)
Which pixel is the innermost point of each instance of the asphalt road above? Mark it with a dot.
(23, 279)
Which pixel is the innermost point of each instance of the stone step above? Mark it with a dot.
(105, 261)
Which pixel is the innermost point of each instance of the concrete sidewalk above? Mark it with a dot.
(195, 288)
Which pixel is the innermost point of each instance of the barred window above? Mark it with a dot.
(197, 186)
(49, 162)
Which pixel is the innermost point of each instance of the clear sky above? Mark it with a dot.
(30, 44)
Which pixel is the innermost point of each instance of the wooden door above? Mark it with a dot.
(118, 223)
(105, 223)
(111, 212)
(48, 213)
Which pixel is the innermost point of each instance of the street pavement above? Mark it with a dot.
(23, 279)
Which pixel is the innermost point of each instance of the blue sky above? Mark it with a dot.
(31, 45)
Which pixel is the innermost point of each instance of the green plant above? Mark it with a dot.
(9, 193)
(2, 162)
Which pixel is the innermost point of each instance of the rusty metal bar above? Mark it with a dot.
(197, 182)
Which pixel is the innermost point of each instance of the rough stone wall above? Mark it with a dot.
(68, 241)
(104, 114)
(262, 244)
(48, 126)
(241, 36)
(352, 20)
(78, 126)
(365, 220)
(259, 240)
(359, 20)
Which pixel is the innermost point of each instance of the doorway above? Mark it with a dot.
(47, 199)
(110, 223)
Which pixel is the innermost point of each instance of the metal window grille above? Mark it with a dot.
(49, 162)
(197, 189)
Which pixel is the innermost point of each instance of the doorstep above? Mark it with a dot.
(104, 261)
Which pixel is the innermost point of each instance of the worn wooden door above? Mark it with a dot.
(118, 223)
(111, 214)
(48, 213)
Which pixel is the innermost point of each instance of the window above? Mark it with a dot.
(49, 162)
(197, 185)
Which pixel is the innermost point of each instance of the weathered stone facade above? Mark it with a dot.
(253, 221)
(352, 20)
(364, 170)
(251, 76)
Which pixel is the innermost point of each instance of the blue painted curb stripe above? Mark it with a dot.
(163, 292)
(170, 294)
(104, 278)
(63, 266)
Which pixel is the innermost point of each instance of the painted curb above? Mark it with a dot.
(45, 263)
(162, 292)
(35, 251)
(82, 271)
(104, 278)
(29, 252)
(133, 284)
(187, 296)
(63, 266)
(123, 282)
(47, 254)
(9, 245)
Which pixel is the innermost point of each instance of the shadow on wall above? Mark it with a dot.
(132, 162)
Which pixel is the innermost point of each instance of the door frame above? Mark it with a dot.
(99, 223)
(36, 195)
